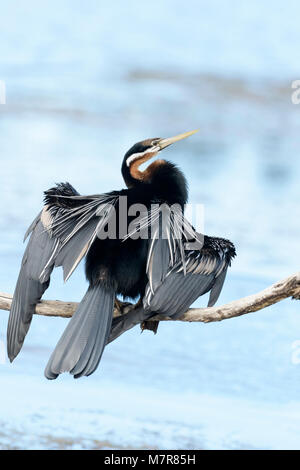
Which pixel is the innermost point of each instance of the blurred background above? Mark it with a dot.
(86, 80)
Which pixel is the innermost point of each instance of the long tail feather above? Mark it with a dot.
(80, 348)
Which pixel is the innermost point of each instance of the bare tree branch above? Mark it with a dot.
(288, 287)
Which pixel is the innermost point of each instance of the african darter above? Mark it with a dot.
(163, 271)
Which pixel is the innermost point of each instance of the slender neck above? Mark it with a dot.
(162, 180)
(169, 184)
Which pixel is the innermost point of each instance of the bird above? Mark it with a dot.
(165, 271)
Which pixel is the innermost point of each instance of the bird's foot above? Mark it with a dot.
(122, 307)
(151, 325)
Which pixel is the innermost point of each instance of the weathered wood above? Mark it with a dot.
(288, 287)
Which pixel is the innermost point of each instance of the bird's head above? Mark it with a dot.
(143, 151)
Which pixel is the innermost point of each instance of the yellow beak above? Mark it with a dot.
(163, 143)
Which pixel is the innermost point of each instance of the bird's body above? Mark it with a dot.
(161, 271)
(119, 263)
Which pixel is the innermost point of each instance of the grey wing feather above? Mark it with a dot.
(77, 228)
(173, 288)
(167, 246)
(29, 289)
(178, 291)
(217, 287)
(177, 274)
(70, 255)
(61, 235)
(32, 226)
(158, 264)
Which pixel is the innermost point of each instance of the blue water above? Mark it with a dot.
(84, 82)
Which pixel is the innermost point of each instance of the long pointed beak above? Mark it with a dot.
(163, 143)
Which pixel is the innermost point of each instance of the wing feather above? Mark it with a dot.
(60, 235)
(178, 275)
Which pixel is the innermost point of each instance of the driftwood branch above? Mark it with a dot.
(288, 287)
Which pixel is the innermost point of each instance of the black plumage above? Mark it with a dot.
(161, 271)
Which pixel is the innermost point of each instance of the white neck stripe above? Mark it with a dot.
(139, 155)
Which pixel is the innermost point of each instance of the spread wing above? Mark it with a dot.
(74, 222)
(181, 264)
(172, 288)
(60, 235)
(169, 234)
